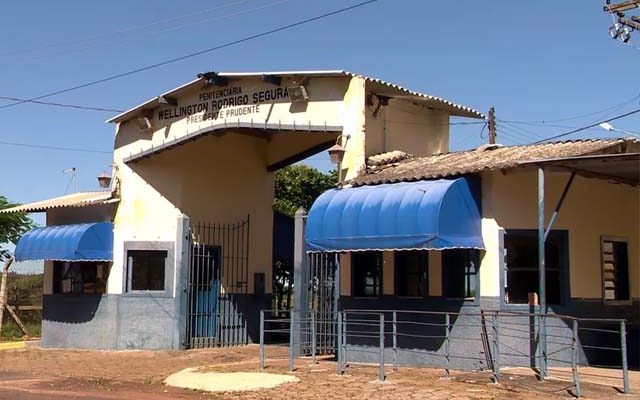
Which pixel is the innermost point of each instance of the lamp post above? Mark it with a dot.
(608, 127)
(336, 154)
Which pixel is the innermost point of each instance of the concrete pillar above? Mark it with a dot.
(181, 282)
(300, 276)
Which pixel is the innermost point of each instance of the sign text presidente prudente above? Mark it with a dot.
(228, 102)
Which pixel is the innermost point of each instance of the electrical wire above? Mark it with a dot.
(170, 29)
(122, 31)
(66, 105)
(611, 108)
(197, 53)
(589, 126)
(36, 146)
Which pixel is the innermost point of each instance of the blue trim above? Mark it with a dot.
(439, 214)
(77, 242)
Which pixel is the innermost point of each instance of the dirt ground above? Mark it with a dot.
(34, 373)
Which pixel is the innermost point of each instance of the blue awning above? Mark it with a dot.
(437, 215)
(78, 242)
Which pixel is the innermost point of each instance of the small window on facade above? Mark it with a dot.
(80, 277)
(460, 269)
(145, 270)
(615, 269)
(411, 273)
(366, 268)
(522, 265)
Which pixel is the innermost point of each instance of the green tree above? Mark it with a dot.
(12, 226)
(299, 186)
(296, 186)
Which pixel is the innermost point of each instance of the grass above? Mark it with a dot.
(11, 331)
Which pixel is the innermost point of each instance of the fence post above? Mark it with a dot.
(574, 358)
(496, 348)
(446, 343)
(381, 347)
(623, 350)
(344, 340)
(395, 341)
(313, 337)
(339, 354)
(545, 349)
(261, 339)
(291, 338)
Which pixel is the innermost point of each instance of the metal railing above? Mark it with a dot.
(490, 340)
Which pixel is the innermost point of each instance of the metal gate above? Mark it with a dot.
(217, 289)
(323, 298)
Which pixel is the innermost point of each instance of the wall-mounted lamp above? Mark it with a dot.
(298, 93)
(272, 79)
(167, 101)
(336, 154)
(104, 180)
(212, 78)
(144, 124)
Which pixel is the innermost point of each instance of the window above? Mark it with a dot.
(521, 269)
(460, 273)
(615, 269)
(80, 277)
(411, 273)
(146, 270)
(366, 269)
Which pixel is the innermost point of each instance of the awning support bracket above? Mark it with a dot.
(554, 216)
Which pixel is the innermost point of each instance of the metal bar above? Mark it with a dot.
(496, 348)
(541, 274)
(559, 205)
(395, 341)
(343, 315)
(446, 344)
(313, 337)
(574, 358)
(339, 359)
(291, 341)
(261, 339)
(623, 351)
(381, 347)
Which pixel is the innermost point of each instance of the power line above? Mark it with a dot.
(48, 103)
(36, 146)
(589, 126)
(172, 28)
(611, 108)
(122, 31)
(197, 53)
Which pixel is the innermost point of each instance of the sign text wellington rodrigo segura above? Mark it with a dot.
(229, 102)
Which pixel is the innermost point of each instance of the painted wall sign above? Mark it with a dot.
(230, 102)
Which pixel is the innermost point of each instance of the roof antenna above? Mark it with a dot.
(73, 182)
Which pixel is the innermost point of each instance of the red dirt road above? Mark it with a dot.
(35, 374)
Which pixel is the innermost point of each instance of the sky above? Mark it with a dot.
(533, 61)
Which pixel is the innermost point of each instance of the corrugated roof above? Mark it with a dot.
(487, 158)
(382, 87)
(81, 199)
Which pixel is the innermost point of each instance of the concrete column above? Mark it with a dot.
(300, 275)
(181, 282)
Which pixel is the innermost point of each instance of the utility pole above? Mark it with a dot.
(492, 126)
(624, 26)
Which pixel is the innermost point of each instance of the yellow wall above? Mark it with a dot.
(354, 126)
(591, 209)
(407, 127)
(223, 177)
(388, 273)
(435, 273)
